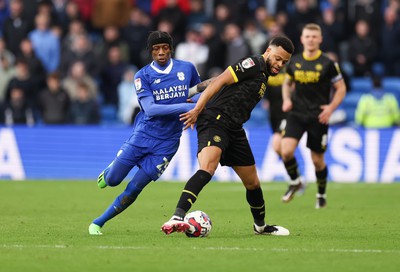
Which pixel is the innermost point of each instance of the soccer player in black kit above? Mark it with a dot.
(311, 76)
(277, 117)
(222, 109)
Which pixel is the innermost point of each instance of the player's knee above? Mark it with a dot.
(287, 154)
(252, 185)
(112, 180)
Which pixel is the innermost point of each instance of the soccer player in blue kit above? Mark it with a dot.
(162, 87)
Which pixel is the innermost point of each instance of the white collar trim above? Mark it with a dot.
(166, 71)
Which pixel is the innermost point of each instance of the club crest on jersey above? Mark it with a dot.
(247, 63)
(181, 76)
(217, 139)
(318, 67)
(138, 84)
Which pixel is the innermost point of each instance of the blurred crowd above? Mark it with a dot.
(73, 61)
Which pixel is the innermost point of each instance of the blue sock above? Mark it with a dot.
(124, 200)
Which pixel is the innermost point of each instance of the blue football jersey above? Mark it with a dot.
(168, 86)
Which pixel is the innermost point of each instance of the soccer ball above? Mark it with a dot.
(200, 224)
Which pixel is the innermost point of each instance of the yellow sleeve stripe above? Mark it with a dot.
(233, 74)
(288, 76)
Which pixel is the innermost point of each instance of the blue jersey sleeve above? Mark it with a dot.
(195, 76)
(152, 109)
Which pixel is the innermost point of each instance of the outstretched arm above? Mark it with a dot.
(199, 88)
(152, 109)
(213, 87)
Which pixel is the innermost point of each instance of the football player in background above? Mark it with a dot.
(307, 98)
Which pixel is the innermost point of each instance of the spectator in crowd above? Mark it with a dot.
(24, 80)
(263, 18)
(332, 31)
(5, 53)
(216, 46)
(135, 33)
(166, 25)
(111, 75)
(7, 72)
(369, 11)
(254, 37)
(18, 110)
(377, 109)
(76, 76)
(46, 7)
(35, 66)
(85, 9)
(54, 102)
(236, 45)
(75, 29)
(193, 50)
(197, 15)
(84, 108)
(110, 13)
(68, 14)
(362, 50)
(16, 27)
(128, 106)
(111, 38)
(173, 11)
(45, 43)
(390, 48)
(4, 13)
(222, 16)
(81, 50)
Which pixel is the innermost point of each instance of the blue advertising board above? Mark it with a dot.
(75, 152)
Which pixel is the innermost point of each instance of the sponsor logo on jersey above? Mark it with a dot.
(217, 139)
(171, 92)
(181, 76)
(157, 81)
(138, 84)
(298, 65)
(247, 63)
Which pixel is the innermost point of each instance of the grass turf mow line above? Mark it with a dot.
(215, 248)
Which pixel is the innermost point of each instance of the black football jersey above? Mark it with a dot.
(274, 94)
(235, 102)
(313, 79)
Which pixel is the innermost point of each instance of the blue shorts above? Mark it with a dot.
(152, 156)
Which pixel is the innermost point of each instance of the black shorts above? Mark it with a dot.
(317, 133)
(235, 147)
(278, 125)
(278, 122)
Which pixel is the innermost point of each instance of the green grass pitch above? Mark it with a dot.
(43, 227)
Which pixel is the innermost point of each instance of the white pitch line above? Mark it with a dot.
(331, 250)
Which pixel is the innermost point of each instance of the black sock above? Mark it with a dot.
(257, 206)
(292, 168)
(322, 180)
(192, 189)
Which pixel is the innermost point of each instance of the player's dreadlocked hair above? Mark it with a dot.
(284, 42)
(157, 37)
